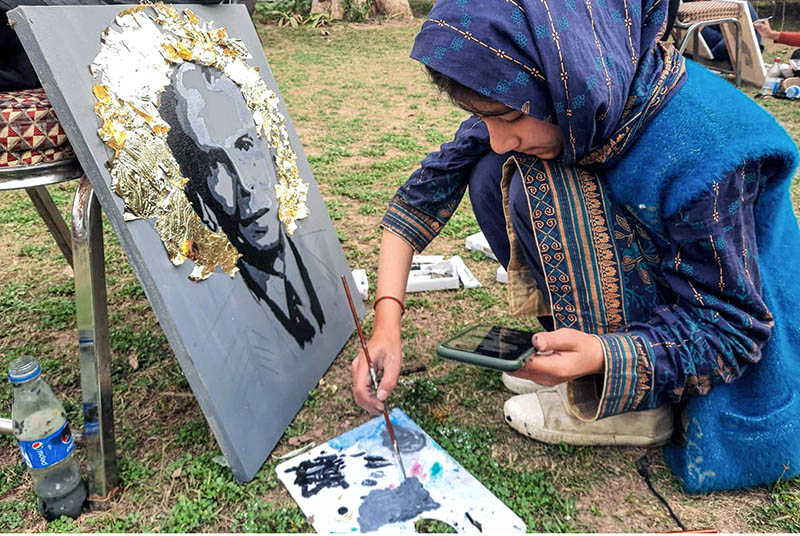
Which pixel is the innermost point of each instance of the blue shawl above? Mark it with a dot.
(747, 432)
(595, 68)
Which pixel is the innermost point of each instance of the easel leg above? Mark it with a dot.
(93, 341)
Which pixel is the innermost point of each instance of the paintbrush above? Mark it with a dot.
(389, 426)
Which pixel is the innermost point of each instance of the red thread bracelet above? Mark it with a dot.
(402, 307)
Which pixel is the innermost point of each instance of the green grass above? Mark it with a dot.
(12, 515)
(782, 512)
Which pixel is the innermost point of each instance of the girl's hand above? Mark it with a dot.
(574, 354)
(386, 351)
(766, 30)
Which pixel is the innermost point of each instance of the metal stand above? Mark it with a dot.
(93, 343)
(698, 17)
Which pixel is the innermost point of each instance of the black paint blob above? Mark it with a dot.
(342, 511)
(357, 454)
(369, 482)
(475, 523)
(402, 503)
(407, 440)
(321, 472)
(376, 462)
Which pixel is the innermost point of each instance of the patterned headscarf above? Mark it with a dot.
(595, 68)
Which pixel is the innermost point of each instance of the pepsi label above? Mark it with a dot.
(49, 450)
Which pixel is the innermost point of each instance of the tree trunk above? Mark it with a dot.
(328, 7)
(394, 8)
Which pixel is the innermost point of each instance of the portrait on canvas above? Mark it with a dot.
(193, 131)
(231, 187)
(178, 124)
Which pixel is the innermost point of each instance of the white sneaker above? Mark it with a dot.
(522, 386)
(544, 416)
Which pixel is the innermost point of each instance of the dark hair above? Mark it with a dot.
(195, 163)
(461, 95)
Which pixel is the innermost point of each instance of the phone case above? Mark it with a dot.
(481, 360)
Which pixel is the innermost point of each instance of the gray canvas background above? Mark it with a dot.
(249, 376)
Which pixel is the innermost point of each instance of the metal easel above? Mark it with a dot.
(93, 343)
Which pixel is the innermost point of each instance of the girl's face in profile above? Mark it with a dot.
(512, 130)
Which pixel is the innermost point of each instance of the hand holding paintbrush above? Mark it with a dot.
(389, 426)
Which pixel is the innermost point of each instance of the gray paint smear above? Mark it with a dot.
(407, 440)
(402, 503)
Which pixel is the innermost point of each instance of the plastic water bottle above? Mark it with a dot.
(771, 85)
(45, 441)
(775, 70)
(772, 81)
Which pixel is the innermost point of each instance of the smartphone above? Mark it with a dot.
(492, 347)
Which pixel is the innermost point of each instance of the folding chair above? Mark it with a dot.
(694, 16)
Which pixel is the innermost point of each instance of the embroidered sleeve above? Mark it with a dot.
(718, 321)
(424, 204)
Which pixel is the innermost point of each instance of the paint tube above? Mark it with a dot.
(478, 242)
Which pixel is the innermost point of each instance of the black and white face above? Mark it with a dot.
(239, 170)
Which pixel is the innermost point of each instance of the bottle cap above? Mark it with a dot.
(793, 92)
(23, 369)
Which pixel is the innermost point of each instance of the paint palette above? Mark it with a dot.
(352, 483)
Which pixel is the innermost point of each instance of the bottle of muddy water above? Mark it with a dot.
(40, 426)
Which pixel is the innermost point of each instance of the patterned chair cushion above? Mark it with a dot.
(30, 133)
(690, 12)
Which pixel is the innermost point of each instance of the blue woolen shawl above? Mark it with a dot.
(747, 432)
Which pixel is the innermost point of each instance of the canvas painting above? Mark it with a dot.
(177, 121)
(353, 483)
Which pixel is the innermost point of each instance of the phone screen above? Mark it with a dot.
(493, 341)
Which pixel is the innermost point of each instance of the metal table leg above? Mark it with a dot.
(52, 218)
(94, 347)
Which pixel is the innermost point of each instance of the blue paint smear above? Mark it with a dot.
(436, 468)
(372, 431)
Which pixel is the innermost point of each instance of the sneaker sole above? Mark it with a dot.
(549, 436)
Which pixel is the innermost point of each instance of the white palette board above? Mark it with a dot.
(352, 483)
